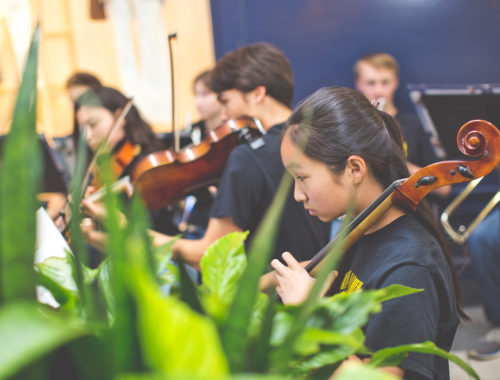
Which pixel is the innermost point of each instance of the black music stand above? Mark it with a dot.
(443, 109)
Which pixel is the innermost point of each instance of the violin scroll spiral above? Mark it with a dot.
(472, 139)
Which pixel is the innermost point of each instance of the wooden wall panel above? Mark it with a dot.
(71, 41)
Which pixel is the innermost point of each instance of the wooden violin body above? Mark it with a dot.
(165, 177)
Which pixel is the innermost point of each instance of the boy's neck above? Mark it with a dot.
(273, 112)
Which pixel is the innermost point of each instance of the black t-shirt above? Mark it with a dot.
(250, 180)
(404, 252)
(420, 151)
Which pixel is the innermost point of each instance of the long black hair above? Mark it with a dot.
(335, 123)
(137, 130)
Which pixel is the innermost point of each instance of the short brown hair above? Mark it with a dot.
(259, 64)
(81, 78)
(379, 61)
(203, 77)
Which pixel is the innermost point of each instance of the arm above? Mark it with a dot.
(191, 251)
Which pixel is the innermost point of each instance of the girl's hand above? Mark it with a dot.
(293, 281)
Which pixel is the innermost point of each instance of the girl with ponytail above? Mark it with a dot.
(340, 149)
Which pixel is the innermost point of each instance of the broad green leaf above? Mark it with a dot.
(359, 371)
(383, 356)
(324, 358)
(19, 182)
(221, 268)
(223, 264)
(174, 339)
(57, 275)
(28, 331)
(345, 312)
(236, 329)
(312, 339)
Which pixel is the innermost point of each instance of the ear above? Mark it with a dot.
(257, 94)
(355, 170)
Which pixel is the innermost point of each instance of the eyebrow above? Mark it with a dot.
(293, 166)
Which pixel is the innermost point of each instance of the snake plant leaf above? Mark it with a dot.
(19, 182)
(235, 334)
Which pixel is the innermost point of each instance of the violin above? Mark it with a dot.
(165, 177)
(121, 158)
(478, 139)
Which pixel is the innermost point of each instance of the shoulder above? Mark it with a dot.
(406, 241)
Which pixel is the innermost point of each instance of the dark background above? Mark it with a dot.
(434, 41)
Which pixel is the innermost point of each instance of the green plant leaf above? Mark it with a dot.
(19, 182)
(324, 358)
(56, 274)
(384, 356)
(264, 320)
(346, 312)
(235, 336)
(31, 331)
(221, 268)
(174, 339)
(395, 291)
(312, 339)
(163, 254)
(188, 290)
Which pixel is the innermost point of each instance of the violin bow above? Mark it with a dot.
(478, 139)
(105, 145)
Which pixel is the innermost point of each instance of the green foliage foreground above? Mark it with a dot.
(138, 316)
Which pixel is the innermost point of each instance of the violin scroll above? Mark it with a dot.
(476, 138)
(473, 137)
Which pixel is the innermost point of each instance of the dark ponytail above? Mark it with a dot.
(335, 123)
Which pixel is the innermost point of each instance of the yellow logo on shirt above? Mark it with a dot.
(350, 283)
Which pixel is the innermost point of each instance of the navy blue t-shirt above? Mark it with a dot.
(406, 253)
(250, 180)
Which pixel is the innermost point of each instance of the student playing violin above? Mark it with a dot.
(256, 81)
(341, 150)
(96, 112)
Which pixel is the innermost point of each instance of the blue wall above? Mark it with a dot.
(435, 41)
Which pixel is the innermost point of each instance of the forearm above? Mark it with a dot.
(190, 251)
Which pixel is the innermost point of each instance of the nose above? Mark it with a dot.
(224, 115)
(298, 193)
(87, 133)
